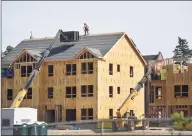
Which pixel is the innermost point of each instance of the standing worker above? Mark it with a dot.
(10, 67)
(86, 29)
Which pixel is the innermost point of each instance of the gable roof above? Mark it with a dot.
(66, 50)
(93, 51)
(136, 50)
(35, 54)
(151, 57)
(97, 44)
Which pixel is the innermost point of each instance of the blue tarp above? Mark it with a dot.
(6, 72)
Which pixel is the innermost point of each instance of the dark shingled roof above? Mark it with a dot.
(61, 50)
(150, 57)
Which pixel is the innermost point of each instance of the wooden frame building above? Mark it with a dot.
(172, 94)
(87, 79)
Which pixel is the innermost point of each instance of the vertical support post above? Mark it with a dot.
(45, 116)
(55, 113)
(102, 124)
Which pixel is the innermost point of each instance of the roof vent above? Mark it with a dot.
(69, 36)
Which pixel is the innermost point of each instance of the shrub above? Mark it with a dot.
(179, 123)
(177, 116)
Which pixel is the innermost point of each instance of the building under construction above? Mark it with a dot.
(170, 87)
(88, 78)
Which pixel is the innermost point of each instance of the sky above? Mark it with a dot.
(154, 26)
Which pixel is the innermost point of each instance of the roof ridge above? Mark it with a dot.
(150, 55)
(112, 33)
(44, 38)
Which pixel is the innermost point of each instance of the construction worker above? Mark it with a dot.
(9, 69)
(86, 29)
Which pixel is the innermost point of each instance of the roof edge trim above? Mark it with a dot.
(136, 50)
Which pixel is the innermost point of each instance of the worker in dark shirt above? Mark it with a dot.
(86, 29)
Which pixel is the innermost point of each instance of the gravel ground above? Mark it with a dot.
(159, 131)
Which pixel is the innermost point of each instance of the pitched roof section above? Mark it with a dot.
(95, 52)
(151, 57)
(101, 42)
(136, 50)
(35, 54)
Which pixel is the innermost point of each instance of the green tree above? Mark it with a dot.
(8, 49)
(182, 49)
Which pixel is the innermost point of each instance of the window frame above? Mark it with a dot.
(87, 90)
(118, 68)
(179, 91)
(23, 71)
(83, 91)
(50, 74)
(87, 68)
(157, 96)
(87, 113)
(73, 69)
(83, 68)
(118, 90)
(131, 71)
(10, 97)
(90, 90)
(111, 91)
(72, 92)
(90, 68)
(50, 92)
(110, 69)
(110, 113)
(28, 95)
(29, 72)
(131, 90)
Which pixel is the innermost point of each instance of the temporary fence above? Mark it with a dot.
(96, 127)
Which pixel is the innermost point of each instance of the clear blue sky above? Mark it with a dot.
(154, 26)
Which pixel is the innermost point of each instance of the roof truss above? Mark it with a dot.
(85, 54)
(23, 57)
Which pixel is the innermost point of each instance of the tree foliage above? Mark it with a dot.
(182, 49)
(180, 123)
(8, 49)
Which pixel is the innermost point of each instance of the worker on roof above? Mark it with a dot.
(86, 29)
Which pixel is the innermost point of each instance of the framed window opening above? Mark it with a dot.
(50, 70)
(9, 94)
(71, 92)
(50, 92)
(110, 91)
(70, 69)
